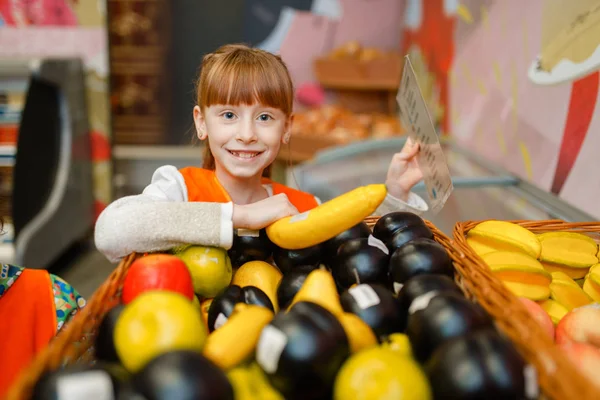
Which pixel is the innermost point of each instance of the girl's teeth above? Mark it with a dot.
(244, 155)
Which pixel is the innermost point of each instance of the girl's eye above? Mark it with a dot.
(228, 115)
(264, 117)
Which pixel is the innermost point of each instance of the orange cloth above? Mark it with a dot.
(28, 316)
(203, 185)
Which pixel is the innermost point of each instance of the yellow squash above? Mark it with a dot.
(236, 341)
(328, 219)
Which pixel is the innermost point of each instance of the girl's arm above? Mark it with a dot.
(161, 218)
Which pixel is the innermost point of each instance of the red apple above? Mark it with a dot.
(539, 314)
(580, 325)
(157, 272)
(586, 358)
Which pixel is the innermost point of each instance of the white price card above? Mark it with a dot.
(417, 120)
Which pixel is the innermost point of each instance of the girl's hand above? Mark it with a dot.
(262, 213)
(404, 172)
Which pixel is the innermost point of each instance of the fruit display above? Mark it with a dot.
(354, 314)
(556, 276)
(543, 267)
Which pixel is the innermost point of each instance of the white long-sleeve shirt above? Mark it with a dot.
(161, 218)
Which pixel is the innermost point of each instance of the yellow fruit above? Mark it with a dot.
(567, 292)
(236, 341)
(204, 306)
(399, 343)
(328, 219)
(576, 242)
(562, 277)
(250, 383)
(262, 275)
(567, 258)
(360, 335)
(513, 259)
(504, 233)
(210, 268)
(196, 303)
(574, 273)
(381, 373)
(591, 284)
(319, 287)
(522, 274)
(554, 309)
(568, 252)
(483, 246)
(532, 292)
(154, 323)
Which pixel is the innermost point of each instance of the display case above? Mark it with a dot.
(481, 190)
(47, 193)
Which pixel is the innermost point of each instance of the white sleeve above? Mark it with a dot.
(414, 204)
(161, 218)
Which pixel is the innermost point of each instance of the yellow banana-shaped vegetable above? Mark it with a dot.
(328, 219)
(235, 341)
(250, 383)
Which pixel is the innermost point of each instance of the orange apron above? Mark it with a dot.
(28, 316)
(203, 185)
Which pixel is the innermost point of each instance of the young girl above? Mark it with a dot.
(244, 114)
(34, 306)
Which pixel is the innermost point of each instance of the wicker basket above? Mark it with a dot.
(558, 377)
(75, 342)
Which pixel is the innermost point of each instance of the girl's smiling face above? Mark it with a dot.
(244, 139)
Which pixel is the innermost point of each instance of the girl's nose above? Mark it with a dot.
(246, 133)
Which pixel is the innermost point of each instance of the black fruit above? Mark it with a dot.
(314, 348)
(104, 345)
(250, 247)
(409, 234)
(79, 381)
(223, 304)
(182, 375)
(289, 285)
(286, 260)
(481, 365)
(389, 224)
(376, 305)
(421, 256)
(361, 261)
(360, 230)
(420, 285)
(446, 316)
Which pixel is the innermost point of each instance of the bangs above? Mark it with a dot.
(246, 78)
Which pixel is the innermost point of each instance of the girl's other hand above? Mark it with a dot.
(404, 172)
(262, 213)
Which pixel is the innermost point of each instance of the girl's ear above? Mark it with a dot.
(200, 123)
(287, 130)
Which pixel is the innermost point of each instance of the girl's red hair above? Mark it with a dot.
(237, 74)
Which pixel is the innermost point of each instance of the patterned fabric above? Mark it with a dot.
(67, 300)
